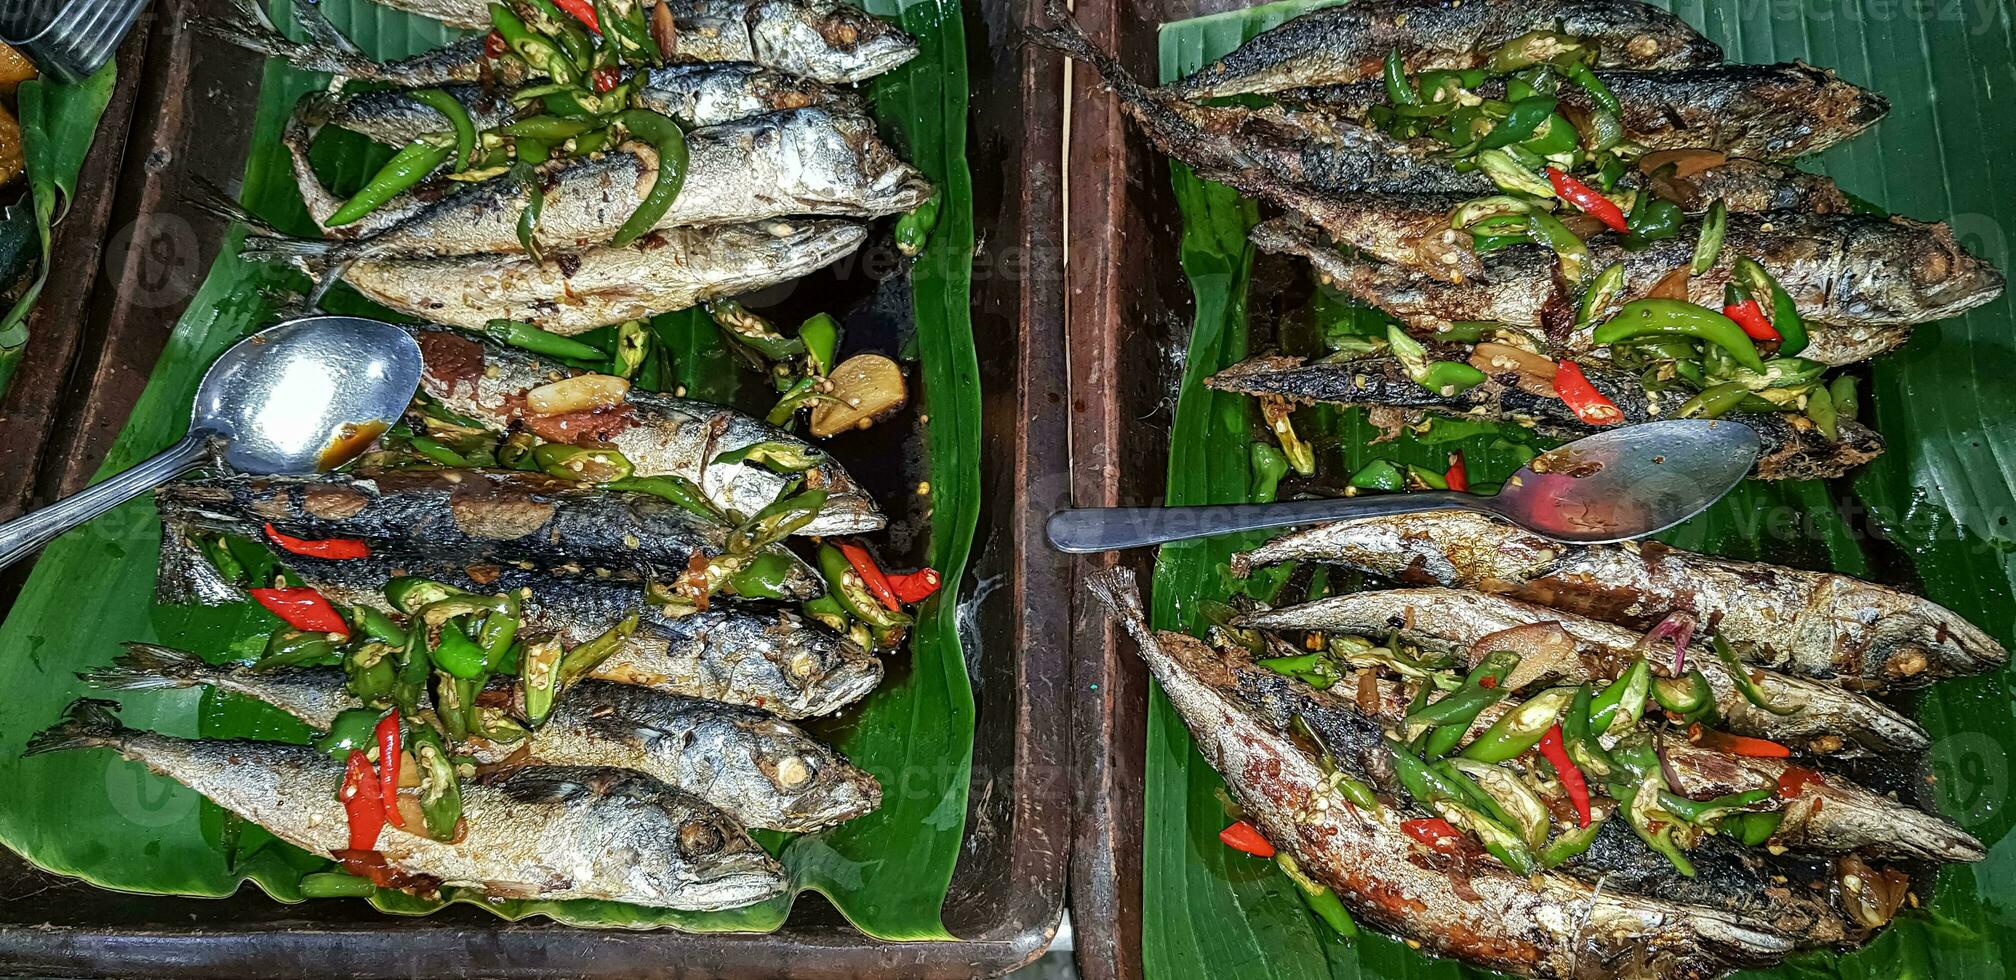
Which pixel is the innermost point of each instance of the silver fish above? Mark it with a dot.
(547, 832)
(575, 292)
(1545, 925)
(1463, 622)
(796, 162)
(762, 772)
(769, 659)
(660, 434)
(323, 48)
(1813, 624)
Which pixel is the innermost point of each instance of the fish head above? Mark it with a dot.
(717, 864)
(817, 786)
(826, 41)
(825, 672)
(1631, 34)
(1910, 272)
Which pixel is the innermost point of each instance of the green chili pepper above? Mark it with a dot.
(538, 51)
(633, 345)
(1520, 728)
(1784, 313)
(458, 655)
(411, 593)
(1651, 317)
(527, 336)
(1705, 813)
(1846, 405)
(539, 679)
(582, 463)
(1569, 845)
(826, 610)
(1605, 131)
(1820, 408)
(674, 489)
(527, 174)
(1580, 74)
(583, 659)
(409, 682)
(1508, 799)
(434, 450)
(620, 31)
(1444, 377)
(1687, 695)
(440, 789)
(336, 884)
(1379, 474)
(1753, 829)
(1715, 402)
(1496, 205)
(1320, 899)
(1573, 253)
(370, 672)
(665, 137)
(1269, 466)
(764, 576)
(1708, 247)
(354, 729)
(455, 703)
(1466, 331)
(1473, 794)
(1499, 841)
(498, 629)
(1421, 781)
(820, 335)
(407, 167)
(218, 552)
(1635, 756)
(1653, 219)
(545, 130)
(1532, 48)
(1313, 669)
(1398, 90)
(1622, 703)
(913, 230)
(1526, 118)
(294, 648)
(753, 331)
(1740, 674)
(776, 521)
(1609, 173)
(1604, 290)
(458, 121)
(1459, 708)
(378, 625)
(1556, 135)
(1660, 840)
(1425, 478)
(777, 457)
(801, 391)
(1510, 175)
(1577, 736)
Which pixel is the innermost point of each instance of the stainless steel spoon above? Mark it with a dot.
(302, 396)
(1615, 485)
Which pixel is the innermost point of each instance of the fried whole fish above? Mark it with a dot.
(1813, 624)
(1793, 447)
(547, 832)
(475, 516)
(796, 162)
(1861, 282)
(769, 659)
(695, 95)
(1545, 925)
(660, 434)
(325, 49)
(1768, 112)
(762, 772)
(1349, 43)
(575, 292)
(1458, 621)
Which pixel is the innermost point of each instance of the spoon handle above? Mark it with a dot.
(1108, 528)
(25, 534)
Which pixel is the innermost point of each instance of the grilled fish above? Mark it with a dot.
(548, 832)
(797, 162)
(661, 435)
(1793, 447)
(1546, 925)
(1458, 621)
(1861, 282)
(1343, 44)
(1813, 624)
(767, 659)
(1769, 112)
(473, 516)
(822, 40)
(695, 95)
(763, 773)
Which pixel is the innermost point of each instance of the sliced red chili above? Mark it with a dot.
(606, 79)
(914, 587)
(1751, 318)
(1793, 781)
(361, 801)
(1436, 834)
(871, 575)
(1243, 836)
(1458, 475)
(1589, 405)
(388, 767)
(319, 548)
(302, 608)
(1743, 745)
(1587, 199)
(494, 46)
(582, 11)
(1569, 774)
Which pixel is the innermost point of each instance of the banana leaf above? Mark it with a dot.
(58, 122)
(1932, 515)
(110, 822)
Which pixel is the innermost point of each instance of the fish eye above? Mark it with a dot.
(794, 771)
(804, 664)
(699, 838)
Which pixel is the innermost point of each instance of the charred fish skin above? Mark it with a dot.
(762, 772)
(575, 292)
(546, 832)
(1766, 112)
(1549, 925)
(1344, 44)
(471, 515)
(1813, 624)
(660, 434)
(1793, 448)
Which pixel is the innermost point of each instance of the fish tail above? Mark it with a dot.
(187, 576)
(88, 723)
(274, 247)
(1117, 589)
(1068, 37)
(248, 27)
(211, 199)
(148, 667)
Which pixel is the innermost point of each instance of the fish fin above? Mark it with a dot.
(148, 667)
(87, 723)
(320, 32)
(248, 27)
(1117, 589)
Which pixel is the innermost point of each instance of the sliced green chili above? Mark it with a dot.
(440, 789)
(1572, 251)
(1708, 247)
(669, 141)
(1622, 703)
(674, 489)
(336, 884)
(1604, 290)
(1820, 408)
(1660, 840)
(1740, 673)
(1753, 829)
(1654, 317)
(777, 457)
(458, 655)
(352, 730)
(1569, 845)
(1321, 900)
(1526, 118)
(1705, 813)
(407, 167)
(1379, 474)
(1687, 695)
(913, 229)
(370, 672)
(1846, 405)
(458, 121)
(1784, 313)
(583, 659)
(583, 463)
(526, 336)
(539, 679)
(1510, 175)
(1520, 728)
(1398, 90)
(1714, 402)
(294, 648)
(1269, 466)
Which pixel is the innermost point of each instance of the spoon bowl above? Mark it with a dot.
(299, 397)
(1615, 485)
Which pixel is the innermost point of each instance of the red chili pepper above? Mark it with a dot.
(388, 767)
(323, 548)
(871, 574)
(1570, 774)
(1458, 476)
(605, 79)
(1744, 745)
(1435, 833)
(494, 46)
(582, 11)
(1751, 318)
(1794, 780)
(1243, 836)
(1589, 404)
(1587, 199)
(361, 802)
(914, 587)
(304, 609)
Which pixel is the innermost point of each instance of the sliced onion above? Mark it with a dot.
(582, 393)
(1677, 626)
(1536, 373)
(1673, 285)
(1869, 896)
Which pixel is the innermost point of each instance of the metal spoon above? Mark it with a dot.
(1613, 486)
(302, 396)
